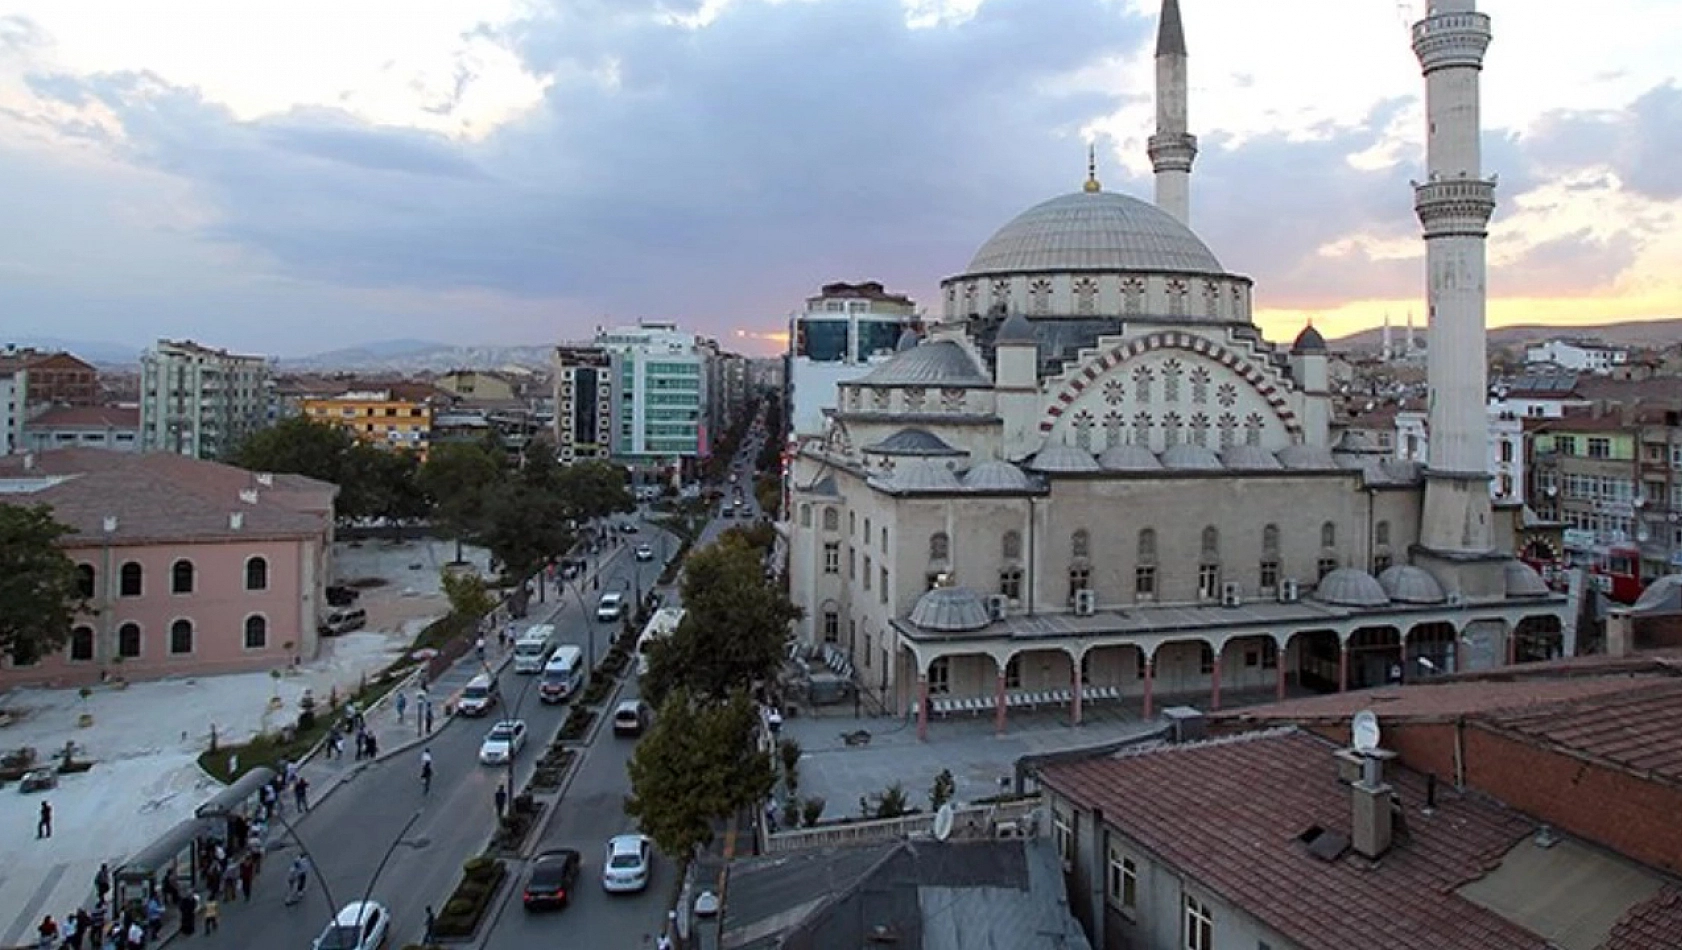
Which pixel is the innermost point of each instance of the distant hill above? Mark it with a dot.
(413, 356)
(1634, 333)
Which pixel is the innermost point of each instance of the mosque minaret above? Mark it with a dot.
(1172, 149)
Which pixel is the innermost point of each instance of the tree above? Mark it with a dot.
(39, 593)
(467, 594)
(697, 764)
(595, 489)
(367, 477)
(734, 628)
(457, 478)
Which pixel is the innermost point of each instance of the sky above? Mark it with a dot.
(293, 177)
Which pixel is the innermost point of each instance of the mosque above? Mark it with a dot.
(1094, 481)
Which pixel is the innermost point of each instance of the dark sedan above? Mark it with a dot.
(553, 875)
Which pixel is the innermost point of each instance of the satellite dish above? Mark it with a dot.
(1364, 731)
(943, 822)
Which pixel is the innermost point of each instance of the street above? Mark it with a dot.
(349, 833)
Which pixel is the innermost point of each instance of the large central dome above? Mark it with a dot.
(1094, 230)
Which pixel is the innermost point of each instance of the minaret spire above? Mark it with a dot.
(1172, 149)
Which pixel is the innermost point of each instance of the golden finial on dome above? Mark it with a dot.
(1092, 169)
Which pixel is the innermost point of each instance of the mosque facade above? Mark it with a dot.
(1094, 480)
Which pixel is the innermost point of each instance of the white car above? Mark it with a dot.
(611, 607)
(503, 742)
(645, 553)
(626, 866)
(359, 926)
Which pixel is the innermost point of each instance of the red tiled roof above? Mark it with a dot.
(1227, 813)
(1434, 701)
(1638, 728)
(161, 497)
(64, 417)
(1655, 924)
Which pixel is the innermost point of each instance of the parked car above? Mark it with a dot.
(503, 742)
(645, 553)
(626, 865)
(361, 925)
(553, 875)
(631, 717)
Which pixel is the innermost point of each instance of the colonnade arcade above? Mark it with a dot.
(991, 676)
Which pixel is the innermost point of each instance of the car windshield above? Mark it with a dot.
(626, 714)
(502, 732)
(625, 860)
(340, 937)
(476, 692)
(549, 874)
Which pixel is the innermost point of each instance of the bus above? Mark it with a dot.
(661, 625)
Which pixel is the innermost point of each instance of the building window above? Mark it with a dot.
(1010, 583)
(1012, 546)
(1270, 654)
(256, 632)
(867, 572)
(831, 519)
(81, 644)
(1124, 881)
(1208, 581)
(1600, 447)
(1325, 566)
(1063, 833)
(884, 539)
(940, 676)
(128, 640)
(1566, 444)
(181, 577)
(1080, 545)
(831, 627)
(1381, 533)
(1144, 583)
(882, 588)
(940, 546)
(832, 558)
(1206, 660)
(1200, 925)
(867, 532)
(805, 516)
(1507, 451)
(1269, 575)
(85, 581)
(129, 579)
(1080, 578)
(852, 523)
(257, 574)
(1328, 535)
(181, 637)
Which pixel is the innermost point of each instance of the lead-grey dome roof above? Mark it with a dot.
(1192, 457)
(1244, 457)
(997, 476)
(919, 475)
(951, 610)
(1094, 230)
(1523, 581)
(913, 442)
(1406, 584)
(1351, 587)
(1016, 329)
(937, 363)
(1302, 456)
(1063, 458)
(1129, 457)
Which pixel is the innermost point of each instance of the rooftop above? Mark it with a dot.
(87, 417)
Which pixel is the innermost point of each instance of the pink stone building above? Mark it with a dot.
(189, 567)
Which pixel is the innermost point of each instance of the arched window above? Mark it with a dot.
(85, 580)
(1381, 533)
(1012, 545)
(1270, 540)
(805, 516)
(256, 574)
(256, 632)
(831, 519)
(181, 577)
(1211, 543)
(1328, 535)
(1080, 545)
(81, 644)
(940, 546)
(181, 637)
(128, 640)
(129, 580)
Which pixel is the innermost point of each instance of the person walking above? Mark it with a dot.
(212, 915)
(373, 747)
(230, 882)
(501, 800)
(188, 908)
(429, 717)
(402, 706)
(102, 881)
(247, 873)
(154, 917)
(296, 880)
(426, 771)
(48, 932)
(301, 792)
(479, 648)
(428, 935)
(44, 825)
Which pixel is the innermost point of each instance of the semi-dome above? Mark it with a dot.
(1017, 330)
(1302, 456)
(1094, 230)
(1129, 457)
(1063, 458)
(1251, 458)
(951, 610)
(913, 442)
(1523, 581)
(997, 476)
(1350, 587)
(1406, 584)
(936, 363)
(1191, 457)
(1308, 341)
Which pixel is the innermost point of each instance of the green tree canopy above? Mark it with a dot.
(595, 489)
(734, 628)
(457, 479)
(372, 482)
(39, 595)
(698, 763)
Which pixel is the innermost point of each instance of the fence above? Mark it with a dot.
(968, 821)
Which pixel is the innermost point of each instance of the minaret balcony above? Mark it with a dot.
(1172, 152)
(1455, 206)
(1451, 39)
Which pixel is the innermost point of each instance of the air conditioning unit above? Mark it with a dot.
(1086, 603)
(1289, 591)
(1231, 595)
(998, 605)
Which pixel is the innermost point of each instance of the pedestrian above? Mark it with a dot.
(247, 874)
(188, 908)
(402, 705)
(212, 915)
(102, 881)
(154, 916)
(427, 935)
(373, 747)
(332, 746)
(665, 942)
(230, 883)
(136, 935)
(44, 826)
(84, 929)
(48, 931)
(96, 921)
(501, 800)
(429, 718)
(338, 743)
(479, 648)
(301, 791)
(290, 774)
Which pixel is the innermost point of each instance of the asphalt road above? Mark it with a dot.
(349, 833)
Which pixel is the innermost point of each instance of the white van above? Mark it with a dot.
(531, 650)
(562, 675)
(479, 696)
(611, 607)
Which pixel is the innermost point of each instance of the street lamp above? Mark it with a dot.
(321, 879)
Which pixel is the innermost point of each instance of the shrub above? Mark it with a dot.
(458, 907)
(479, 867)
(810, 811)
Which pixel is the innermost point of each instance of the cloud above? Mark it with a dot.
(1639, 144)
(1570, 264)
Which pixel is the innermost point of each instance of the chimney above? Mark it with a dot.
(28, 461)
(236, 520)
(248, 495)
(1620, 633)
(110, 524)
(1186, 723)
(1372, 826)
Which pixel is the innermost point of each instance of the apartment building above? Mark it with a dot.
(392, 416)
(583, 423)
(200, 401)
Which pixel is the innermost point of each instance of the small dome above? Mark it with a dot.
(913, 442)
(1191, 457)
(997, 476)
(1406, 584)
(1249, 458)
(1663, 596)
(908, 340)
(1523, 581)
(1308, 341)
(1350, 587)
(1300, 457)
(937, 363)
(1063, 458)
(951, 610)
(1016, 331)
(1129, 457)
(920, 476)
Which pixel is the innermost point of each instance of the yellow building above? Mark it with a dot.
(389, 418)
(477, 386)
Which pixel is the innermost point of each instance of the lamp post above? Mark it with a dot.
(321, 879)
